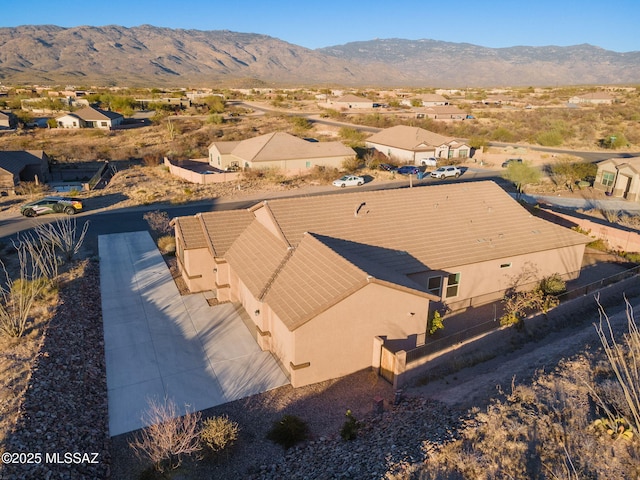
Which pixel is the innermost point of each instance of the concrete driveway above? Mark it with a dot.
(159, 344)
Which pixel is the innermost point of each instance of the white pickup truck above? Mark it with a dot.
(429, 162)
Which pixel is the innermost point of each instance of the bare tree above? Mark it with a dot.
(169, 436)
(64, 235)
(18, 296)
(624, 359)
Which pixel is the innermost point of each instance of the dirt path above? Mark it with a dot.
(475, 386)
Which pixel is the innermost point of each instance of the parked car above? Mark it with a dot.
(348, 181)
(506, 163)
(70, 206)
(408, 170)
(429, 162)
(387, 166)
(444, 172)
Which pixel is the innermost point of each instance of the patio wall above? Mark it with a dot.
(201, 178)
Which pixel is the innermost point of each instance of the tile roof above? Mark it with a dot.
(408, 138)
(439, 225)
(255, 257)
(282, 146)
(312, 280)
(350, 98)
(222, 228)
(14, 161)
(94, 114)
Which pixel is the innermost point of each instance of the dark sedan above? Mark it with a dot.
(408, 170)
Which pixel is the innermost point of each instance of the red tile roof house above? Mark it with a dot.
(323, 277)
(290, 154)
(90, 117)
(411, 144)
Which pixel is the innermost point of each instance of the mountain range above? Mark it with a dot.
(155, 56)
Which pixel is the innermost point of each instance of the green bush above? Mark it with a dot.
(553, 285)
(219, 433)
(288, 431)
(349, 430)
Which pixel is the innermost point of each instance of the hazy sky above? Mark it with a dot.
(490, 23)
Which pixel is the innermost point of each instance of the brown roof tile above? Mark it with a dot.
(256, 256)
(408, 138)
(440, 226)
(282, 146)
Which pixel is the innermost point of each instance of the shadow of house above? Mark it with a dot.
(22, 166)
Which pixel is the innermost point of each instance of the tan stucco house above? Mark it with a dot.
(619, 177)
(593, 98)
(322, 278)
(425, 100)
(289, 154)
(90, 117)
(411, 144)
(349, 101)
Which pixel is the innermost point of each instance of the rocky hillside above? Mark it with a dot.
(148, 55)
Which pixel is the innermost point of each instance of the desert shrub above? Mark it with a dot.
(301, 124)
(30, 188)
(167, 244)
(553, 285)
(352, 136)
(215, 119)
(288, 431)
(550, 138)
(322, 173)
(599, 244)
(350, 427)
(158, 222)
(218, 433)
(612, 216)
(351, 164)
(169, 436)
(152, 159)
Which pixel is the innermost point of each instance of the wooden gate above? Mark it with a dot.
(387, 364)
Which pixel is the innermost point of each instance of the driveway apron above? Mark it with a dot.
(161, 346)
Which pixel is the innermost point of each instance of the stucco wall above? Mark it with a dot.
(300, 166)
(484, 282)
(201, 178)
(198, 270)
(339, 341)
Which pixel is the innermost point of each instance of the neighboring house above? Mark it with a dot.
(8, 121)
(425, 100)
(447, 112)
(90, 117)
(279, 150)
(410, 144)
(323, 277)
(595, 98)
(22, 165)
(350, 102)
(619, 177)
